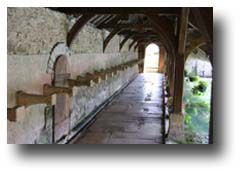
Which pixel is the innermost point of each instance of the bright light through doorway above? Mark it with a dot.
(151, 61)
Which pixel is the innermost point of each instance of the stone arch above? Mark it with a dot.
(153, 66)
(61, 118)
(58, 49)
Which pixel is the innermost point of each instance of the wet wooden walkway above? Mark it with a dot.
(133, 117)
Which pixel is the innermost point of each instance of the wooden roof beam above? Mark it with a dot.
(77, 27)
(118, 10)
(110, 36)
(125, 40)
(165, 30)
(113, 21)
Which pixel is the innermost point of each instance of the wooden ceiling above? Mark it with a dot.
(160, 24)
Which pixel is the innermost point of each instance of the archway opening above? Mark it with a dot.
(151, 60)
(62, 106)
(197, 97)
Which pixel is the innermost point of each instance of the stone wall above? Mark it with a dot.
(32, 34)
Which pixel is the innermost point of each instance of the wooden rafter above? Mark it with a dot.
(104, 20)
(134, 35)
(125, 40)
(129, 25)
(118, 10)
(146, 41)
(165, 30)
(77, 27)
(194, 43)
(113, 21)
(110, 36)
(203, 17)
(132, 43)
(117, 30)
(139, 37)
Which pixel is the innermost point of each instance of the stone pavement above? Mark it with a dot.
(133, 117)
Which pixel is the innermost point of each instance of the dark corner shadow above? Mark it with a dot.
(156, 150)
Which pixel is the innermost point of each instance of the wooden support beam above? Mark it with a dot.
(110, 71)
(102, 74)
(110, 36)
(50, 90)
(14, 113)
(165, 29)
(11, 114)
(132, 43)
(119, 10)
(104, 20)
(113, 21)
(78, 83)
(162, 56)
(141, 56)
(125, 40)
(139, 27)
(88, 78)
(77, 27)
(176, 121)
(194, 43)
(203, 17)
(179, 66)
(25, 99)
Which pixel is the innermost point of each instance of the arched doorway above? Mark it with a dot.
(62, 106)
(197, 96)
(151, 60)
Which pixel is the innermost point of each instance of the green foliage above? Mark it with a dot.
(186, 73)
(187, 118)
(193, 78)
(197, 106)
(202, 86)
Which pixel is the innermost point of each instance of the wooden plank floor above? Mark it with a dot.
(133, 117)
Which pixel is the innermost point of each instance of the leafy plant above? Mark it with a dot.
(193, 78)
(196, 106)
(202, 86)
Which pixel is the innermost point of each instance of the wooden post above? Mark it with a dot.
(171, 75)
(162, 55)
(179, 62)
(176, 130)
(141, 55)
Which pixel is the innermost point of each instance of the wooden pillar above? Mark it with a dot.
(176, 130)
(171, 76)
(179, 62)
(141, 55)
(162, 56)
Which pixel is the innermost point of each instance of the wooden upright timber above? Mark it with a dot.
(77, 27)
(14, 113)
(162, 56)
(179, 66)
(176, 120)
